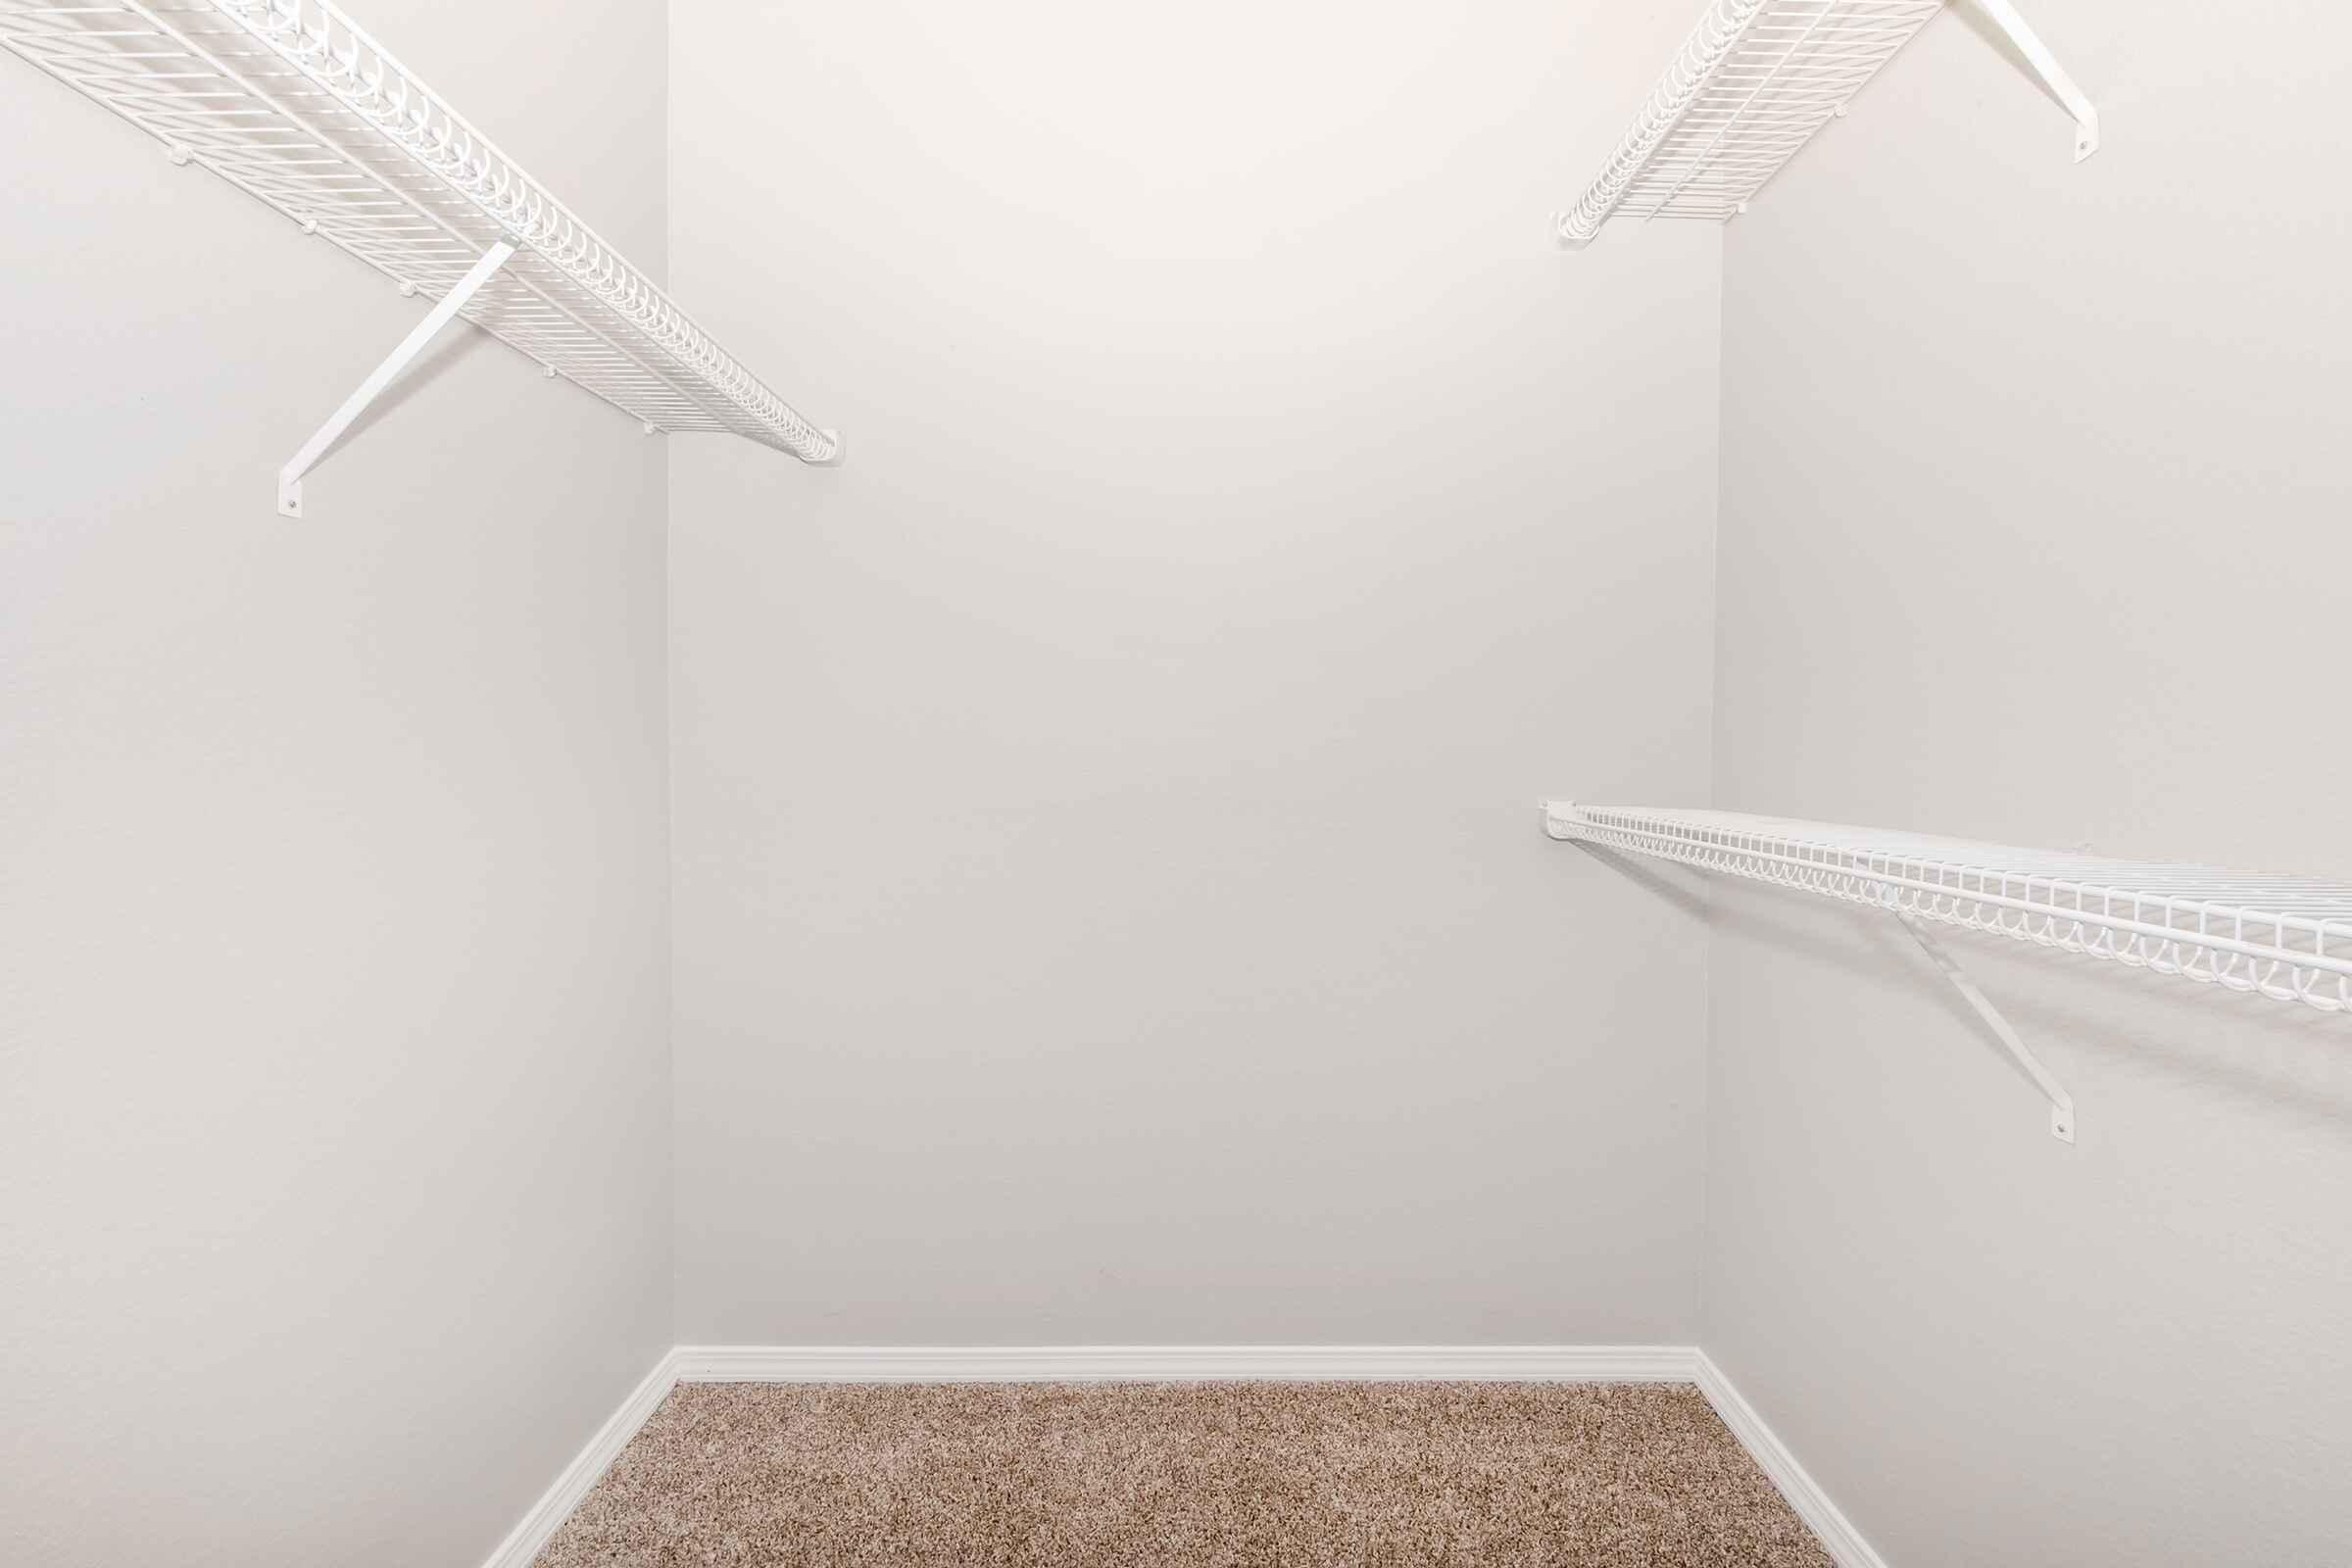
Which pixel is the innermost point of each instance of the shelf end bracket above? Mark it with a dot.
(2060, 85)
(2062, 1104)
(289, 478)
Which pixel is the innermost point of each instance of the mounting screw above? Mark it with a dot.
(408, 290)
(179, 154)
(2061, 1124)
(1839, 110)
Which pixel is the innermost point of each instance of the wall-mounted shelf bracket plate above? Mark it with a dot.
(2062, 1105)
(2004, 16)
(289, 478)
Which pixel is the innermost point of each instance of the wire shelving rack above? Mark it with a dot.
(1750, 86)
(292, 103)
(2287, 938)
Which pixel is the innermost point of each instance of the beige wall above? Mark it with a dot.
(1109, 902)
(1112, 904)
(334, 1114)
(2033, 528)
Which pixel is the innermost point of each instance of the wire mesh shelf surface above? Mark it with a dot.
(2289, 938)
(292, 103)
(1751, 85)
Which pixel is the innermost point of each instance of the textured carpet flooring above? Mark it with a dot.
(1090, 1475)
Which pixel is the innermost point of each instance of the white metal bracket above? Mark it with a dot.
(289, 478)
(2062, 1105)
(2053, 75)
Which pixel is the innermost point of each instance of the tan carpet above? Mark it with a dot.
(1084, 1475)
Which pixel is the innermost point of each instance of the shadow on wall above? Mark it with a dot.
(1685, 889)
(2102, 1016)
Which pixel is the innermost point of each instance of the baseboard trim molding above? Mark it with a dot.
(1838, 1537)
(528, 1538)
(1187, 1363)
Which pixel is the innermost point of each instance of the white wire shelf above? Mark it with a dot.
(1750, 86)
(289, 101)
(2289, 938)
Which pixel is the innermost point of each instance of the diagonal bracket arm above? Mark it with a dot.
(2061, 86)
(289, 478)
(2062, 1104)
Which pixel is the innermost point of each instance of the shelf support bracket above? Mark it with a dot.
(2062, 1104)
(289, 478)
(2004, 16)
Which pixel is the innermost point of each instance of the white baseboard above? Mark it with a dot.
(1838, 1537)
(1185, 1363)
(1188, 1363)
(526, 1540)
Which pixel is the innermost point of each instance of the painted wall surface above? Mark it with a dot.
(1112, 904)
(2033, 531)
(334, 1118)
